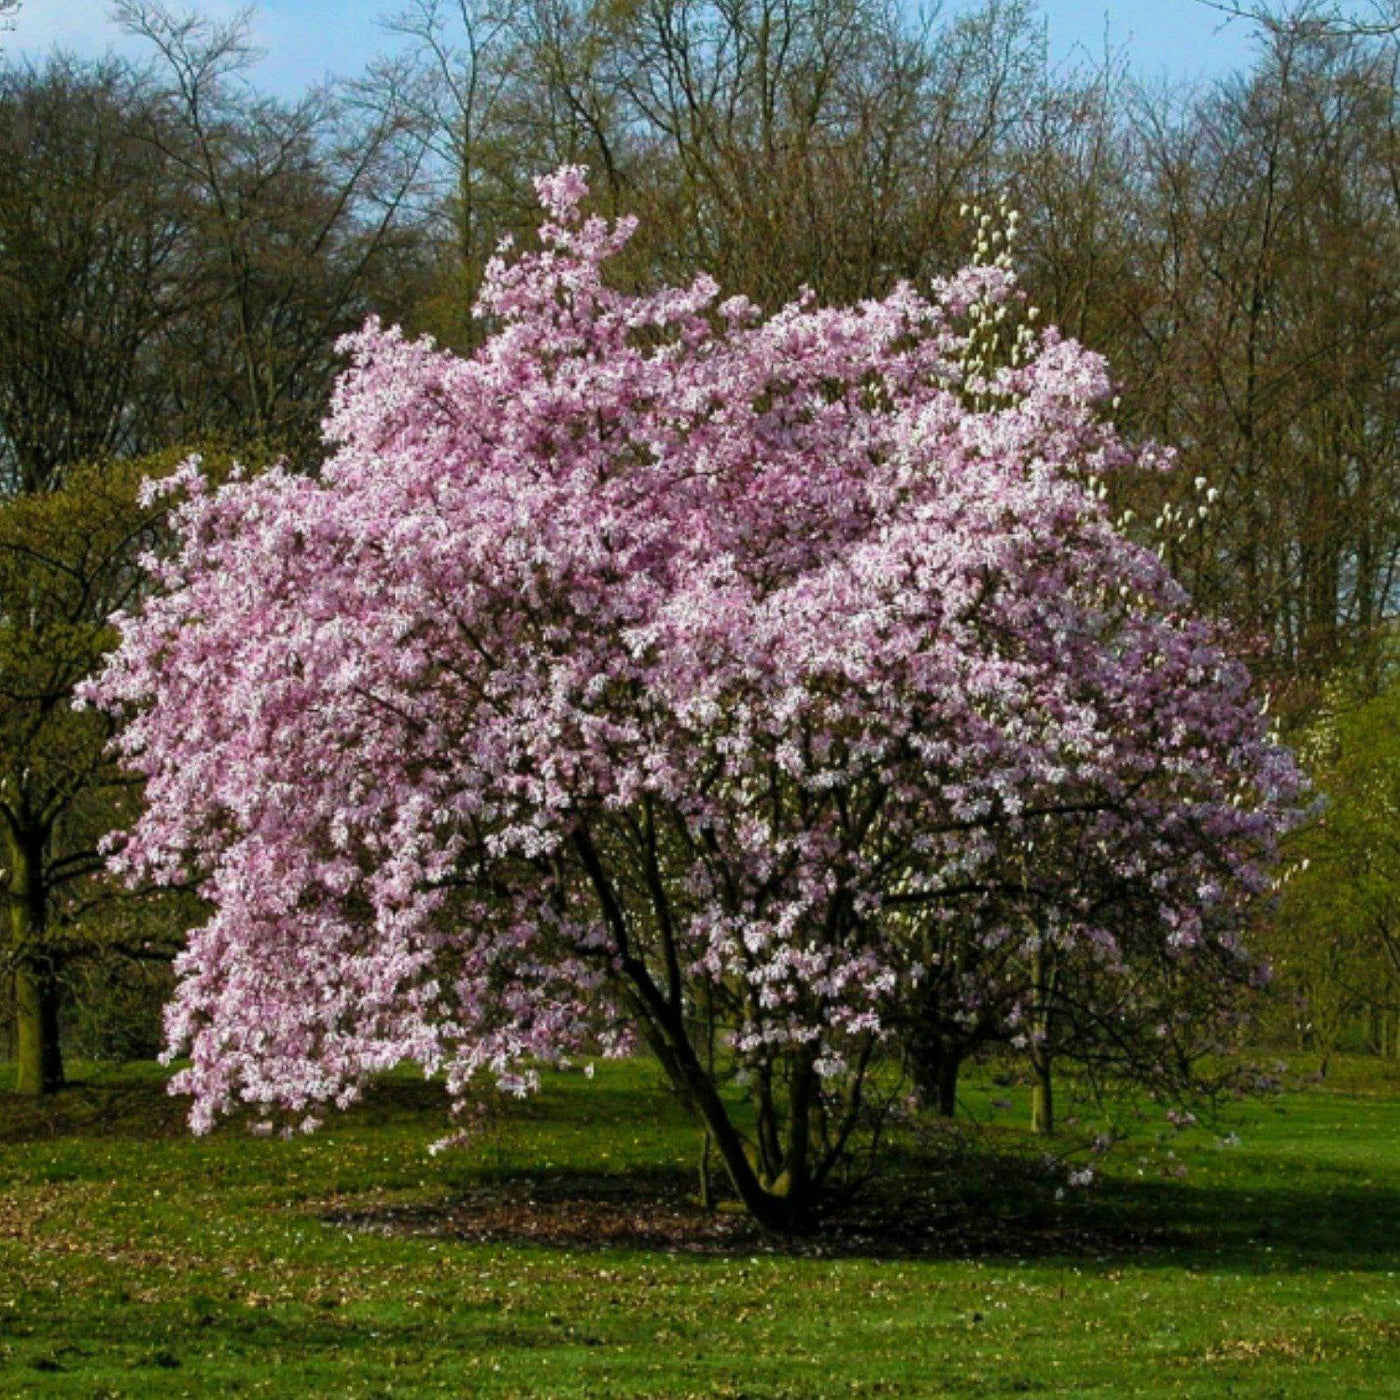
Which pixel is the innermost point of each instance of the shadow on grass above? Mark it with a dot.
(1267, 1228)
(121, 1105)
(980, 1203)
(1005, 1215)
(97, 1108)
(967, 1197)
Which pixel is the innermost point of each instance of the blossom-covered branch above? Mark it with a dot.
(668, 672)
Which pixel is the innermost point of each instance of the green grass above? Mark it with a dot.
(136, 1261)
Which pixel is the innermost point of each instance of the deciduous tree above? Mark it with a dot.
(1338, 938)
(653, 675)
(68, 559)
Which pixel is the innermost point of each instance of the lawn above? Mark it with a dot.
(561, 1253)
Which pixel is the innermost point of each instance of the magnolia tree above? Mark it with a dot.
(673, 675)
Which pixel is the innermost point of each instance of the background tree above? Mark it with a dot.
(827, 143)
(1339, 930)
(452, 85)
(296, 220)
(68, 560)
(179, 254)
(91, 275)
(1277, 342)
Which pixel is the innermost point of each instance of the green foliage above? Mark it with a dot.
(1337, 936)
(67, 561)
(70, 558)
(115, 1004)
(352, 1264)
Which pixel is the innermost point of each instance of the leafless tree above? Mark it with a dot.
(1316, 18)
(1270, 322)
(90, 278)
(297, 216)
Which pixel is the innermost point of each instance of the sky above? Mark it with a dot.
(306, 40)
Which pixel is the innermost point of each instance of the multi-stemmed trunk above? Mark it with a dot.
(801, 1135)
(780, 1196)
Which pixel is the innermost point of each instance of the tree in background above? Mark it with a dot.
(68, 560)
(177, 257)
(828, 143)
(1232, 248)
(179, 253)
(1266, 345)
(90, 271)
(297, 222)
(1338, 935)
(646, 675)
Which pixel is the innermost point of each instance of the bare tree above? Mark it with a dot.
(1270, 326)
(298, 220)
(90, 277)
(1315, 18)
(449, 85)
(828, 143)
(179, 254)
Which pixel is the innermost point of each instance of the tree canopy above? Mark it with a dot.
(657, 673)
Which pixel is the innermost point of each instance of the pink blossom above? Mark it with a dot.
(663, 656)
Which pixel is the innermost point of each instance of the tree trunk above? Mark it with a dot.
(948, 1084)
(935, 1069)
(707, 1198)
(781, 1208)
(38, 1054)
(1042, 1091)
(1042, 1097)
(784, 1206)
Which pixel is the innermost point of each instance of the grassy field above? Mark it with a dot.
(561, 1254)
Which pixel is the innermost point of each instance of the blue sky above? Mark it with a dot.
(308, 39)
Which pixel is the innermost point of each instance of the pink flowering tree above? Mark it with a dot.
(666, 674)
